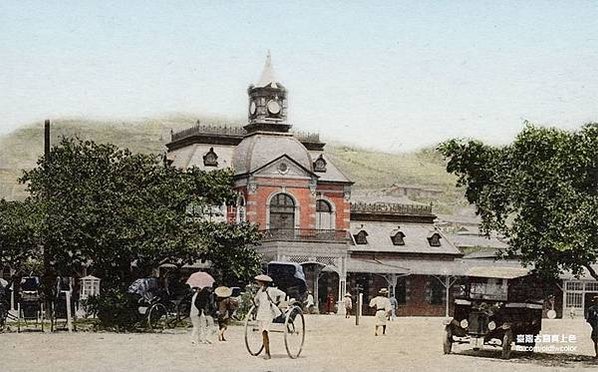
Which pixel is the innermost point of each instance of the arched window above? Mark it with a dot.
(241, 209)
(324, 215)
(282, 212)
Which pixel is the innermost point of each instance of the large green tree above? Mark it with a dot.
(19, 236)
(109, 209)
(541, 192)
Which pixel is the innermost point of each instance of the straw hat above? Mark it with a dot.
(223, 292)
(347, 294)
(383, 291)
(263, 278)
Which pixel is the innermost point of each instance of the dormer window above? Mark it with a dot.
(434, 239)
(361, 237)
(398, 238)
(210, 159)
(320, 164)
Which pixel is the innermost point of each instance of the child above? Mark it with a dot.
(226, 308)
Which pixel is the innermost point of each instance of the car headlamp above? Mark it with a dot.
(464, 323)
(492, 325)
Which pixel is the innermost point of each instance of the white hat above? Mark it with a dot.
(263, 278)
(223, 292)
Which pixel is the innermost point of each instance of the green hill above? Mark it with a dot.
(371, 170)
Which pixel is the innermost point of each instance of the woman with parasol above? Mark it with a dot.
(202, 306)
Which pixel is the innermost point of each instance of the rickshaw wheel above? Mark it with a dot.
(448, 341)
(253, 335)
(507, 340)
(157, 317)
(294, 332)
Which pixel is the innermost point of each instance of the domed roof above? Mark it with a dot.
(258, 150)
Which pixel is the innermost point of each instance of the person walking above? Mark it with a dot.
(394, 304)
(267, 300)
(592, 318)
(202, 309)
(330, 303)
(383, 308)
(348, 302)
(226, 307)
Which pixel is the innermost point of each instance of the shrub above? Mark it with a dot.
(115, 309)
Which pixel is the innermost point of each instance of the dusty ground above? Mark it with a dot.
(332, 344)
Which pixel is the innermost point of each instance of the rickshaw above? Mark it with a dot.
(150, 302)
(498, 306)
(30, 307)
(289, 278)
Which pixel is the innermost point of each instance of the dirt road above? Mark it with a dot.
(332, 344)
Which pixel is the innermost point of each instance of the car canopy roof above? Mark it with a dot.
(497, 272)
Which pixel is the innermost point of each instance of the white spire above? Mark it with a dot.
(268, 76)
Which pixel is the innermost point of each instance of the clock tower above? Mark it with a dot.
(267, 103)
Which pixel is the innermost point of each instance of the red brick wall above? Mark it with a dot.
(256, 202)
(334, 194)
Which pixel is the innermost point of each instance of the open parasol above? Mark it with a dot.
(200, 280)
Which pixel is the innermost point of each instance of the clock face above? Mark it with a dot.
(274, 107)
(252, 108)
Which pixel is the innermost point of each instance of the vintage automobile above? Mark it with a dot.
(497, 307)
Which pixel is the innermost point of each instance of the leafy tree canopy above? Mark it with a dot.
(19, 238)
(108, 209)
(541, 192)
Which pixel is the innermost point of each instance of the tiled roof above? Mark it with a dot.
(192, 155)
(584, 276)
(332, 174)
(416, 238)
(474, 240)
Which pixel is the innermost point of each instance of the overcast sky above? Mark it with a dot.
(389, 75)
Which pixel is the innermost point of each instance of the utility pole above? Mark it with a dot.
(47, 139)
(47, 277)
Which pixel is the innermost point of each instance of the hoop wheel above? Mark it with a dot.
(157, 317)
(253, 335)
(294, 332)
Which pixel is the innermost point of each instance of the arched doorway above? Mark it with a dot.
(328, 291)
(282, 212)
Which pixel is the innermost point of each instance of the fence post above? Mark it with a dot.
(69, 320)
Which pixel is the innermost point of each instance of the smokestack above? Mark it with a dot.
(47, 138)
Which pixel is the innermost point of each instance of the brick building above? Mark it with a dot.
(301, 201)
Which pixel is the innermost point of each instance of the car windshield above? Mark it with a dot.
(491, 290)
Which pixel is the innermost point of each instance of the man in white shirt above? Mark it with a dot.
(383, 309)
(267, 300)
